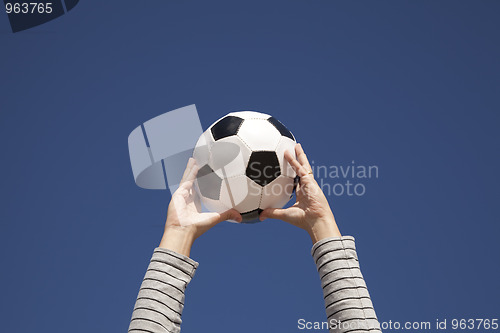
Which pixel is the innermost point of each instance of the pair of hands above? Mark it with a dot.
(311, 211)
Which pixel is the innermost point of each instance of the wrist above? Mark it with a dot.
(322, 229)
(178, 240)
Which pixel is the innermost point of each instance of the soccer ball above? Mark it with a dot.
(241, 164)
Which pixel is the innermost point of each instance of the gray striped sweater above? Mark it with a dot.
(159, 305)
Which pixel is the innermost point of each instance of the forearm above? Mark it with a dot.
(347, 301)
(160, 302)
(177, 240)
(325, 228)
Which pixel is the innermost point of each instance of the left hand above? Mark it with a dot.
(185, 221)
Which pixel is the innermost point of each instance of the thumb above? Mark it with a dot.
(273, 213)
(231, 214)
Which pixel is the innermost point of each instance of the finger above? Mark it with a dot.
(197, 202)
(273, 213)
(302, 157)
(231, 214)
(193, 172)
(189, 174)
(296, 166)
(188, 169)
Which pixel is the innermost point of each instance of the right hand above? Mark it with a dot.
(311, 210)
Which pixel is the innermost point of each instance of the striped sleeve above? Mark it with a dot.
(159, 305)
(347, 301)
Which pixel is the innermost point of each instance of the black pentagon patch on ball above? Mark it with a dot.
(209, 183)
(281, 128)
(251, 216)
(225, 127)
(263, 167)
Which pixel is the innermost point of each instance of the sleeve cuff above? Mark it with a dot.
(334, 243)
(177, 260)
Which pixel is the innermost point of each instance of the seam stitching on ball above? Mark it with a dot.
(246, 144)
(231, 177)
(260, 199)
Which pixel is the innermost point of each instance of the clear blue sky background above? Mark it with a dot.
(409, 86)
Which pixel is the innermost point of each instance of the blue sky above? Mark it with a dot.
(411, 87)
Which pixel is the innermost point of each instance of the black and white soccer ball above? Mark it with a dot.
(241, 164)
